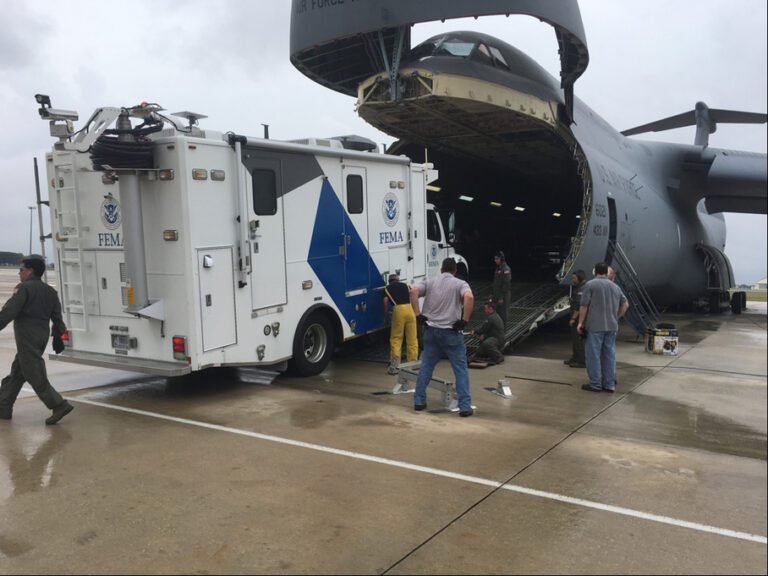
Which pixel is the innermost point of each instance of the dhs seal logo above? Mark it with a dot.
(110, 213)
(390, 209)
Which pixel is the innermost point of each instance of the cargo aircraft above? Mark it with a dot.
(526, 166)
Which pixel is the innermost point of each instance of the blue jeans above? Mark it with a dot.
(600, 353)
(439, 341)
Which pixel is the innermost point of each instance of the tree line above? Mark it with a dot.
(10, 258)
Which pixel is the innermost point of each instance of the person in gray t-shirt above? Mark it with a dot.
(448, 303)
(602, 304)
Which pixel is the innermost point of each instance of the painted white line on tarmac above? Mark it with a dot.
(442, 473)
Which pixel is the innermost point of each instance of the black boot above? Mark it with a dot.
(59, 412)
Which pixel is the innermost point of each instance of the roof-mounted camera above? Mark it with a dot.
(56, 115)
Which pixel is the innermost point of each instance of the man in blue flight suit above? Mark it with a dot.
(32, 307)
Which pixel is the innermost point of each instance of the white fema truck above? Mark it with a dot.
(179, 248)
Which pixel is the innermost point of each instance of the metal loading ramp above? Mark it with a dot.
(532, 305)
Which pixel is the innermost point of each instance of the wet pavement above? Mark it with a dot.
(239, 471)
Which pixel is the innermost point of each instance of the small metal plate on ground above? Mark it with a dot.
(503, 389)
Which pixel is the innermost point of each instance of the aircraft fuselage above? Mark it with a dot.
(495, 126)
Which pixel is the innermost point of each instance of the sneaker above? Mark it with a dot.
(609, 390)
(466, 413)
(419, 407)
(577, 365)
(589, 388)
(59, 412)
(568, 362)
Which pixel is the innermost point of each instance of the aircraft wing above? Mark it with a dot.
(678, 121)
(704, 118)
(689, 119)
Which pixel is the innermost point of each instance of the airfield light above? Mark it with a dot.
(496, 204)
(556, 214)
(519, 209)
(466, 198)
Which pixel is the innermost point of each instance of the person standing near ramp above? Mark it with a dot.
(502, 286)
(403, 320)
(602, 304)
(577, 360)
(445, 321)
(33, 305)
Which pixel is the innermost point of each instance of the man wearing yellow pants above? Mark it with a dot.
(403, 320)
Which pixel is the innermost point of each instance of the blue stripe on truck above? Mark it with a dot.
(324, 258)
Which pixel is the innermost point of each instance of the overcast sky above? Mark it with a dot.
(229, 59)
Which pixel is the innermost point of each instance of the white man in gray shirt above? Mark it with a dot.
(602, 304)
(445, 320)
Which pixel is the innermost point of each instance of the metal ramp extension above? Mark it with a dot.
(642, 313)
(526, 313)
(409, 374)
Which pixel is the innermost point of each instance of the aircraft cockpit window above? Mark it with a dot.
(498, 58)
(454, 48)
(482, 54)
(423, 51)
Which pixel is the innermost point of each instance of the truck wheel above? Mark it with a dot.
(312, 346)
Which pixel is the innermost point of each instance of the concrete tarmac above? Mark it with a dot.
(239, 471)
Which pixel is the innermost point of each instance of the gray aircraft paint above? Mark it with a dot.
(666, 196)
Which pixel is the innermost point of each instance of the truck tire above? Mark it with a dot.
(312, 346)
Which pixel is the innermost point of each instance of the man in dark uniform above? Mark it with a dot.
(502, 286)
(33, 305)
(578, 279)
(491, 335)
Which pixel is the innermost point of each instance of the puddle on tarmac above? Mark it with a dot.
(670, 422)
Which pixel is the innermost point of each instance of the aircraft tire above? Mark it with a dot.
(313, 345)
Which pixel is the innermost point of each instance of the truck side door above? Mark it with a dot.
(265, 199)
(356, 268)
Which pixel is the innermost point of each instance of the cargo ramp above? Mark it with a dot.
(531, 306)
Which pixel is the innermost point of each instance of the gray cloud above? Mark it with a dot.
(22, 30)
(229, 59)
